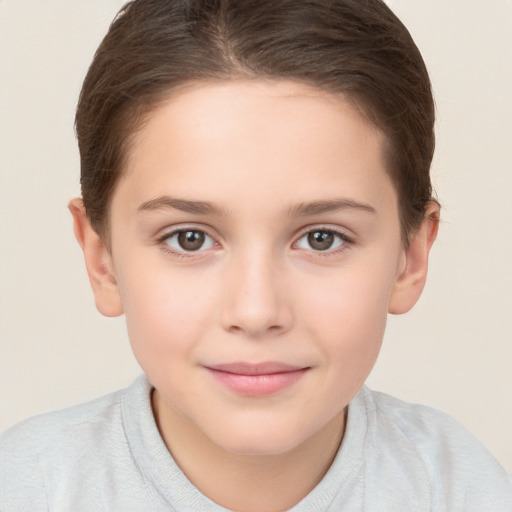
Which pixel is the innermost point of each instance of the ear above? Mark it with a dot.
(413, 272)
(98, 262)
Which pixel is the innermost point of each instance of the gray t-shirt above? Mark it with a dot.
(107, 455)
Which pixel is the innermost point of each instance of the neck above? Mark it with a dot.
(248, 483)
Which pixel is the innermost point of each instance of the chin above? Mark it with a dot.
(259, 439)
(260, 447)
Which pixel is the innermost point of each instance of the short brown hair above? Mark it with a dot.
(357, 48)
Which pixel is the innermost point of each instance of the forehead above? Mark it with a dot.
(248, 137)
(210, 109)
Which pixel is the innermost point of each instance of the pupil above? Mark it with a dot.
(191, 240)
(321, 240)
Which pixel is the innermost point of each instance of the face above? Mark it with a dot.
(256, 250)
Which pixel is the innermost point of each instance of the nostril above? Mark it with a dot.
(254, 304)
(256, 330)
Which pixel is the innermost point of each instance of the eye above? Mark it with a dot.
(321, 240)
(189, 240)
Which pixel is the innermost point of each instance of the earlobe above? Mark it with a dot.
(413, 274)
(98, 262)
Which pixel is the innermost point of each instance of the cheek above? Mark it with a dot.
(350, 312)
(166, 312)
(349, 329)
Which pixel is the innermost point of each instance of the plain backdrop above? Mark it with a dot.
(453, 351)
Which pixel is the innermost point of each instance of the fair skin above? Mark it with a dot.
(259, 326)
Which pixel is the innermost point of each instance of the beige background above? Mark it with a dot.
(454, 351)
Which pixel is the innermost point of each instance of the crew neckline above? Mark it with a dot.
(163, 475)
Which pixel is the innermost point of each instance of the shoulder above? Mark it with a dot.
(48, 431)
(455, 466)
(57, 447)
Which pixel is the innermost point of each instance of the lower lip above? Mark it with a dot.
(258, 385)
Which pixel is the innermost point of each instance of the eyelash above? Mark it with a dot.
(163, 242)
(346, 241)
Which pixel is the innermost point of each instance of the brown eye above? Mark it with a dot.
(189, 240)
(321, 240)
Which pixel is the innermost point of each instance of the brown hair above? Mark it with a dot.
(357, 48)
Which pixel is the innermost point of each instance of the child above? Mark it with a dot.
(256, 199)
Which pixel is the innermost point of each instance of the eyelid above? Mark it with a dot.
(171, 231)
(166, 233)
(340, 232)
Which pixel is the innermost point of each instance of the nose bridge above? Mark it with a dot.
(256, 302)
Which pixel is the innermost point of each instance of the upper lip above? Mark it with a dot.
(265, 368)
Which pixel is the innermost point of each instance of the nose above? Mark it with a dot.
(256, 300)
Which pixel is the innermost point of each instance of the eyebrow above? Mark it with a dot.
(204, 207)
(319, 207)
(185, 205)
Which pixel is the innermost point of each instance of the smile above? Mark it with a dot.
(256, 380)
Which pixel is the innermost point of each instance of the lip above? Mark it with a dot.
(260, 379)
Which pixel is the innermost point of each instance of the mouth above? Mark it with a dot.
(257, 379)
